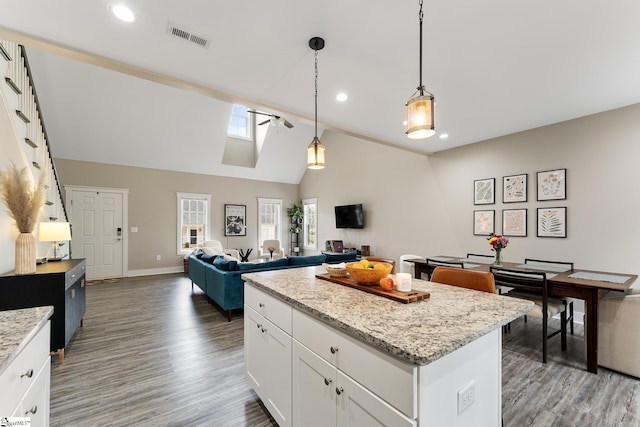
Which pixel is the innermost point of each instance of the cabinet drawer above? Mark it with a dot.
(71, 276)
(389, 378)
(273, 309)
(35, 403)
(23, 370)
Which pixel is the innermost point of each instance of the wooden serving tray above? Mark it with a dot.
(403, 297)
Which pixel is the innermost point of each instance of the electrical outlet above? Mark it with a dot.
(134, 229)
(158, 257)
(466, 397)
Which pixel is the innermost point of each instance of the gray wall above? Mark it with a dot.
(424, 205)
(152, 205)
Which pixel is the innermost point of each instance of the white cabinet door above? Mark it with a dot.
(314, 383)
(255, 349)
(358, 407)
(267, 361)
(278, 374)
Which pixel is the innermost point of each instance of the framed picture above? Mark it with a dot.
(514, 222)
(483, 222)
(552, 185)
(337, 246)
(552, 222)
(484, 191)
(235, 220)
(514, 188)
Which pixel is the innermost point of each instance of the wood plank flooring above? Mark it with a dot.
(152, 353)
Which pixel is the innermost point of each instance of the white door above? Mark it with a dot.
(98, 231)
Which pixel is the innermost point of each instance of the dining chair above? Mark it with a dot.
(480, 256)
(532, 286)
(469, 279)
(407, 267)
(433, 263)
(565, 265)
(387, 260)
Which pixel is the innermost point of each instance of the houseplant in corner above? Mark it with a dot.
(24, 202)
(295, 215)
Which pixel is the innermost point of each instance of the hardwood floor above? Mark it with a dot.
(152, 353)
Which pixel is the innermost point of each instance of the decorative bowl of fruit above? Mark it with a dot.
(368, 272)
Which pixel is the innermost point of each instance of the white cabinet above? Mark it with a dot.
(25, 383)
(324, 396)
(268, 352)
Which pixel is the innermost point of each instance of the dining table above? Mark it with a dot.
(587, 285)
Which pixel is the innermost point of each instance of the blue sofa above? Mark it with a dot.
(220, 280)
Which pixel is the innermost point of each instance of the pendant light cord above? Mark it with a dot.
(420, 16)
(316, 82)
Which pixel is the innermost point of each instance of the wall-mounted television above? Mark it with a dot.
(349, 216)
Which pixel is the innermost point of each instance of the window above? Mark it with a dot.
(193, 221)
(241, 123)
(269, 220)
(310, 224)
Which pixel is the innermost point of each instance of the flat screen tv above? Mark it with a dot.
(349, 216)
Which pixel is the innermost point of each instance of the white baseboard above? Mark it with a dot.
(154, 271)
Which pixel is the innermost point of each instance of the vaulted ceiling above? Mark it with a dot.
(496, 67)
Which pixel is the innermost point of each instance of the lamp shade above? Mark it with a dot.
(315, 154)
(54, 232)
(420, 120)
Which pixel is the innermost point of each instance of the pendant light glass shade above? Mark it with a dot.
(315, 154)
(420, 120)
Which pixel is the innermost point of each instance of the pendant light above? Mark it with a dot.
(315, 151)
(420, 115)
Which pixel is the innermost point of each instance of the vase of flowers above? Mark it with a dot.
(24, 201)
(498, 243)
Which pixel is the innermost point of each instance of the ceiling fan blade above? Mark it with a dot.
(259, 112)
(288, 124)
(264, 123)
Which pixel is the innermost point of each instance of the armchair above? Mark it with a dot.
(216, 246)
(278, 252)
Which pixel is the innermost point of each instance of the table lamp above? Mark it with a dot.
(55, 232)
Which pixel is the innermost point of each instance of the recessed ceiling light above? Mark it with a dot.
(444, 135)
(341, 96)
(122, 12)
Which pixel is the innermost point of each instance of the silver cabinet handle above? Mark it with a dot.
(339, 390)
(327, 381)
(33, 410)
(334, 350)
(258, 325)
(264, 329)
(27, 374)
(73, 275)
(261, 305)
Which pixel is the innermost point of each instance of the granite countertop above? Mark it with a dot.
(17, 328)
(419, 332)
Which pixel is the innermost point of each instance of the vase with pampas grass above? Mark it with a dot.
(24, 201)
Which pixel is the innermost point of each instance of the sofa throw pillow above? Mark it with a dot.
(307, 260)
(224, 264)
(347, 256)
(208, 258)
(198, 253)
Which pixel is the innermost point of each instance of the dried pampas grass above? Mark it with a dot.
(22, 200)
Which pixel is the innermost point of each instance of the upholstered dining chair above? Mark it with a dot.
(532, 286)
(562, 266)
(433, 263)
(477, 280)
(387, 260)
(265, 253)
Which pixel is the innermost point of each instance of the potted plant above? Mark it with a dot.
(295, 214)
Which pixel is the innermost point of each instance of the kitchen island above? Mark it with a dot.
(319, 353)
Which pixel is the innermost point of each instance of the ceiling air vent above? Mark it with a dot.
(177, 31)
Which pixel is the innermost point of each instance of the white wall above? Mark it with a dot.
(424, 205)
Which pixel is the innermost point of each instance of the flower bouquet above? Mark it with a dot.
(498, 243)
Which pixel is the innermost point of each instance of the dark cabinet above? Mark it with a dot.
(60, 284)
